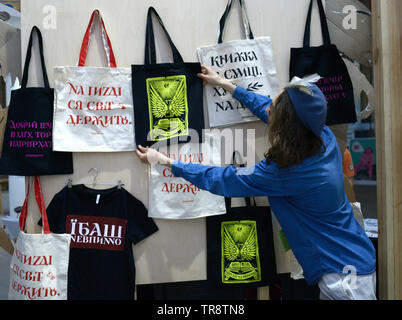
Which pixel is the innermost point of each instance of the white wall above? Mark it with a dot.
(16, 193)
(177, 251)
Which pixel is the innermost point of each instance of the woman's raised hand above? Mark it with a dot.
(151, 156)
(210, 76)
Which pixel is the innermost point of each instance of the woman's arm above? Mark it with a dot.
(151, 156)
(256, 103)
(258, 180)
(230, 181)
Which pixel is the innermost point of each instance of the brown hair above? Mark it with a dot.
(290, 141)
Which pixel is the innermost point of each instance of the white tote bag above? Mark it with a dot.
(248, 63)
(173, 197)
(93, 105)
(39, 266)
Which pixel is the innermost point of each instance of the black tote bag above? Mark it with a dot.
(168, 97)
(27, 146)
(325, 60)
(240, 247)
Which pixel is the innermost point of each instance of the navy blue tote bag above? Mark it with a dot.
(325, 60)
(27, 146)
(168, 97)
(240, 247)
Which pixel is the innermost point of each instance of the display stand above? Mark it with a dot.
(177, 252)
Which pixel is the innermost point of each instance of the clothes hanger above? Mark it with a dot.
(93, 183)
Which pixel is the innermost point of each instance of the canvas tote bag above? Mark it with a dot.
(248, 63)
(325, 60)
(173, 197)
(168, 95)
(39, 266)
(240, 247)
(93, 105)
(27, 144)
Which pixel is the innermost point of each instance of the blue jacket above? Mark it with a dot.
(308, 200)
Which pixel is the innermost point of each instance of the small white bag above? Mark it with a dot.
(93, 106)
(175, 198)
(39, 266)
(248, 63)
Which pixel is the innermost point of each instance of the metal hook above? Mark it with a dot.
(95, 174)
(119, 184)
(236, 152)
(69, 183)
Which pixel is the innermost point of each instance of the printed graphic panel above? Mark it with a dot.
(240, 254)
(91, 232)
(168, 107)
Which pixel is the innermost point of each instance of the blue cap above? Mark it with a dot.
(310, 106)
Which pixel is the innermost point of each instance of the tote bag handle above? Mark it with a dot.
(106, 42)
(150, 53)
(324, 25)
(41, 204)
(228, 201)
(24, 80)
(246, 24)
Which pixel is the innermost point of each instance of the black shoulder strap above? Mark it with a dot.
(324, 25)
(228, 201)
(24, 80)
(222, 21)
(150, 53)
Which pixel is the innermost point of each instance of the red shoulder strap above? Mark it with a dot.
(106, 42)
(41, 205)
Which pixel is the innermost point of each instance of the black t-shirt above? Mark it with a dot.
(103, 225)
